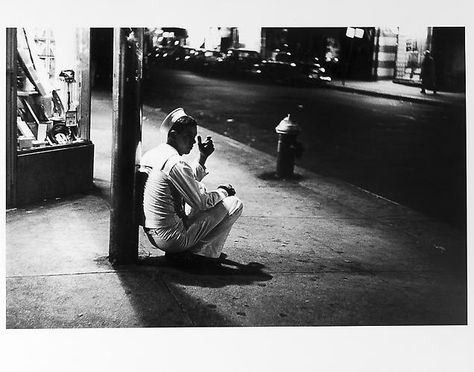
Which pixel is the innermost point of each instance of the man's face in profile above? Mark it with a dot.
(185, 140)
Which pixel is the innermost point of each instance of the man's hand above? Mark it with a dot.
(227, 187)
(205, 149)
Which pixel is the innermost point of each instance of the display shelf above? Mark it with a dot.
(56, 146)
(22, 93)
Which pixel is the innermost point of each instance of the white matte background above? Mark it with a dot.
(238, 349)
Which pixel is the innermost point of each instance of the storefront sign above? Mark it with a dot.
(359, 33)
(352, 32)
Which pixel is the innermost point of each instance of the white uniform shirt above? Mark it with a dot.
(164, 164)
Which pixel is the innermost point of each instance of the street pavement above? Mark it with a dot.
(309, 251)
(396, 147)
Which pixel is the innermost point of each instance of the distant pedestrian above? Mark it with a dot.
(428, 73)
(182, 217)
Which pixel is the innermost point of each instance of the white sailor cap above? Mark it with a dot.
(170, 119)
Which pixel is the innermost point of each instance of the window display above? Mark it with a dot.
(49, 152)
(47, 89)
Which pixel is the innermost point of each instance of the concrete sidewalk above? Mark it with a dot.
(306, 252)
(389, 89)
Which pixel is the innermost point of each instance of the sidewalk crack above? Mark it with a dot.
(179, 303)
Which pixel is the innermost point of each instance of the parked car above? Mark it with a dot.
(164, 55)
(176, 55)
(185, 54)
(212, 60)
(204, 60)
(284, 67)
(241, 61)
(190, 58)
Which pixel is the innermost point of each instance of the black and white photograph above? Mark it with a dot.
(233, 186)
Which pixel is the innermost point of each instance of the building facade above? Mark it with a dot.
(447, 46)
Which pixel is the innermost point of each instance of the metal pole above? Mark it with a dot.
(346, 65)
(375, 57)
(11, 128)
(127, 117)
(83, 43)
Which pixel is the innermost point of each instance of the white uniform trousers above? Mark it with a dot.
(204, 233)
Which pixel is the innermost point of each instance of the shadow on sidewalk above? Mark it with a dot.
(163, 295)
(225, 272)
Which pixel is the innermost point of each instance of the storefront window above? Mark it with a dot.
(412, 43)
(49, 80)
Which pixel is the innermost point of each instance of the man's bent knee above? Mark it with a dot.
(233, 204)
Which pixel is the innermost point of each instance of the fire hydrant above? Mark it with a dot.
(288, 148)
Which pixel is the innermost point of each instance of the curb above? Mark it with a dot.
(406, 98)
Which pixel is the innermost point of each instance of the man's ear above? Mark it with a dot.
(172, 135)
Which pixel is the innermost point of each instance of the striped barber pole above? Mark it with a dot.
(385, 53)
